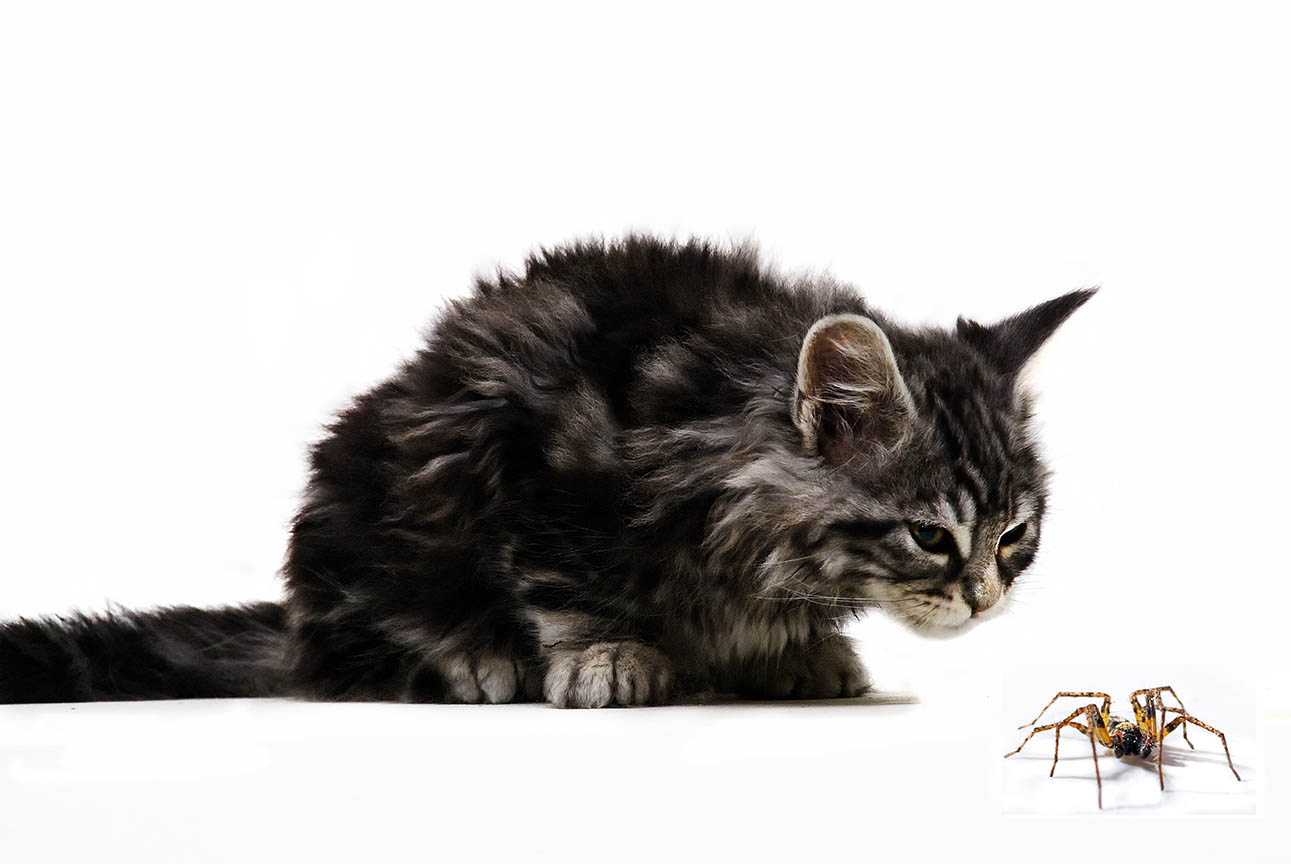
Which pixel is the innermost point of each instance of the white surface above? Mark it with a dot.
(1197, 781)
(217, 223)
(224, 780)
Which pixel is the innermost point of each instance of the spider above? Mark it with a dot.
(1121, 736)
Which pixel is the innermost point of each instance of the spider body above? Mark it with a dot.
(1129, 739)
(1144, 736)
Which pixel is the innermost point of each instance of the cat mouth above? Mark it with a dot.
(949, 619)
(931, 616)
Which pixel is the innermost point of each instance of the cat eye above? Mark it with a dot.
(1013, 535)
(932, 538)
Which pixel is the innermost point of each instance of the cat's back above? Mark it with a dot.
(597, 315)
(549, 369)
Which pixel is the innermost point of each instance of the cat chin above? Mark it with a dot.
(940, 631)
(936, 630)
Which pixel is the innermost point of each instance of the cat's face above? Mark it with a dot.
(963, 508)
(933, 488)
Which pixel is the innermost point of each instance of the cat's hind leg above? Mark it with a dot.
(486, 678)
(348, 643)
(404, 661)
(826, 668)
(479, 669)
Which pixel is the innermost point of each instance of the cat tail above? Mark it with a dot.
(179, 652)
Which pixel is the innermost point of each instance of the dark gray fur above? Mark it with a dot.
(623, 474)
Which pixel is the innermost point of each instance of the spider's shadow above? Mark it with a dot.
(1172, 757)
(1113, 770)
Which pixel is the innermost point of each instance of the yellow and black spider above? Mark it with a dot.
(1124, 737)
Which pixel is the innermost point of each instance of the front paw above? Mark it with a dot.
(829, 669)
(608, 673)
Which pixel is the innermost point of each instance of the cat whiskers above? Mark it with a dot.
(926, 616)
(831, 600)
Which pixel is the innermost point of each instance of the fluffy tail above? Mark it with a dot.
(175, 653)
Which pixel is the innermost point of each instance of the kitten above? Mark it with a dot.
(641, 468)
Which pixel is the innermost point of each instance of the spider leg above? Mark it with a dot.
(1160, 743)
(1107, 705)
(1141, 716)
(1188, 718)
(1089, 712)
(1096, 730)
(1183, 727)
(1182, 710)
(1168, 689)
(1102, 733)
(1081, 727)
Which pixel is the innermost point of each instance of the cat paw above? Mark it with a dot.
(829, 670)
(608, 673)
(486, 678)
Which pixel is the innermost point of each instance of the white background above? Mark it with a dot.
(218, 222)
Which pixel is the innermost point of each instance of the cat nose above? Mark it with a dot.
(982, 594)
(981, 585)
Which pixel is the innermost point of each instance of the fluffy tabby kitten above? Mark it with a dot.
(638, 469)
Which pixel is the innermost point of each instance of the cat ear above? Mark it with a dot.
(1011, 342)
(850, 394)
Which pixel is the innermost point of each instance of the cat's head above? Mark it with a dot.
(933, 483)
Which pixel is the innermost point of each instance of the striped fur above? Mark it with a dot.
(636, 469)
